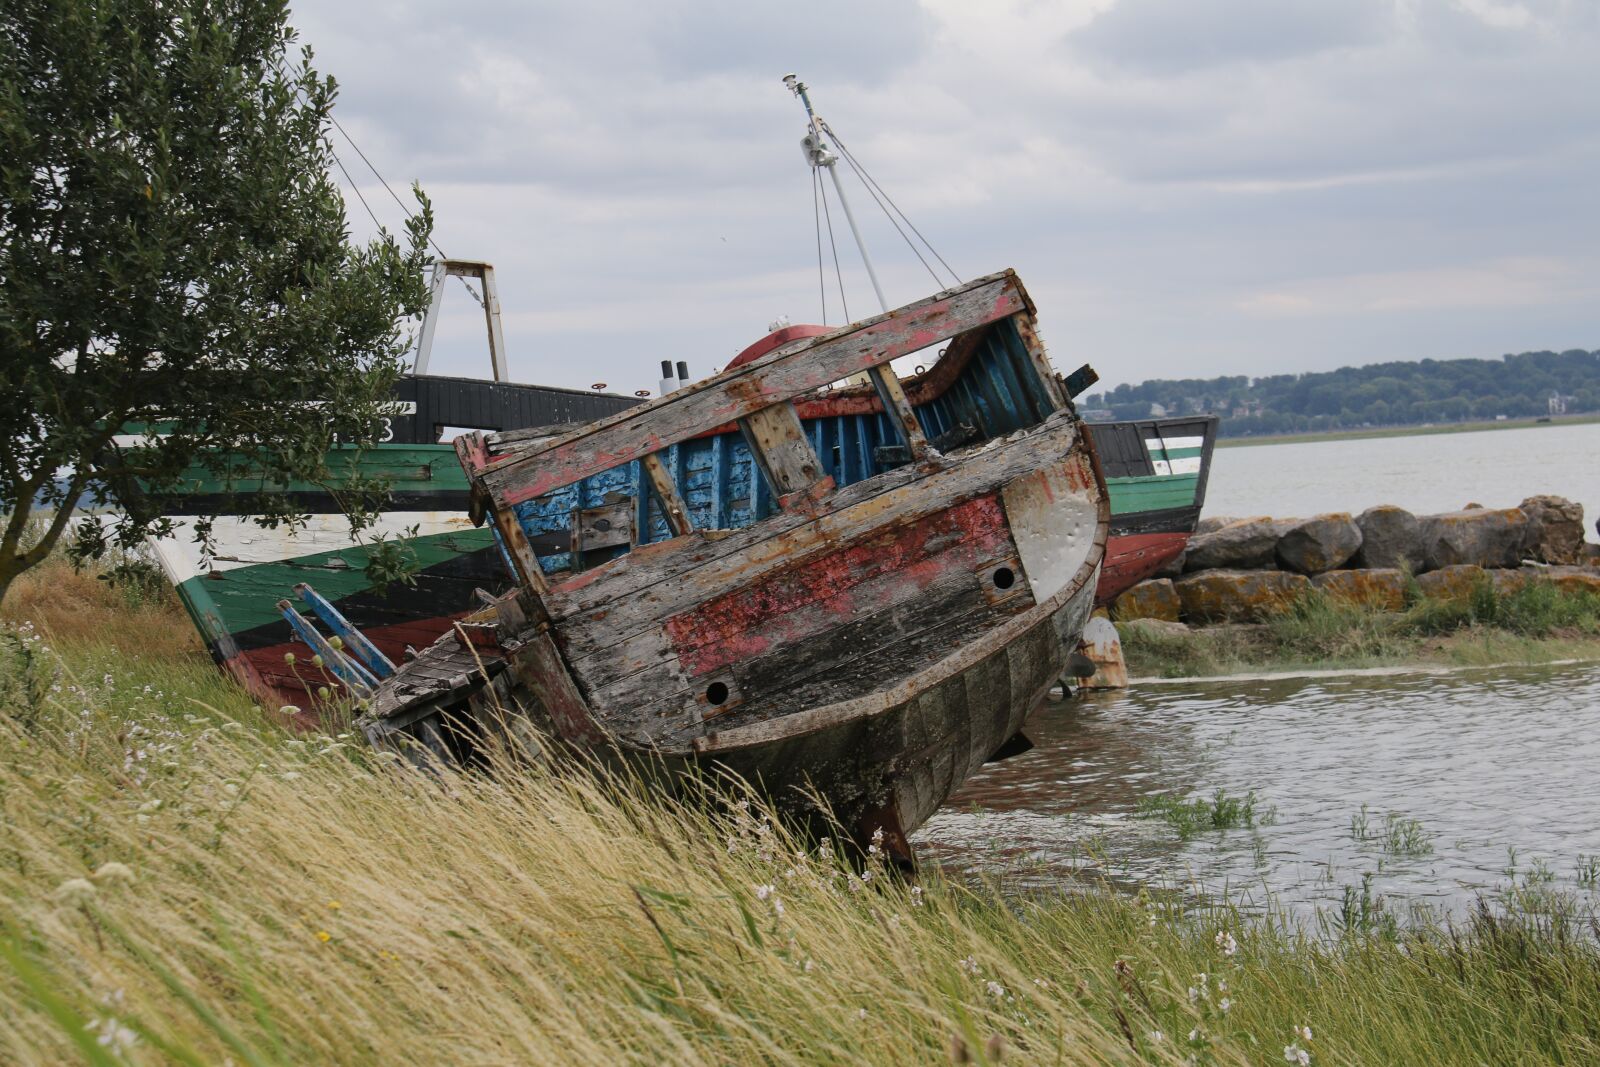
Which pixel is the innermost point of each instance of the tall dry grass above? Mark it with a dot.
(126, 606)
(183, 881)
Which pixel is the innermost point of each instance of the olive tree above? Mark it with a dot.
(179, 292)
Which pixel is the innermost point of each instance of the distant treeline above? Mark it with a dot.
(1379, 394)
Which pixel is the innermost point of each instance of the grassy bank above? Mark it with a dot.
(183, 881)
(1536, 624)
(1402, 431)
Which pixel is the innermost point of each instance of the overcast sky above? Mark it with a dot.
(1187, 187)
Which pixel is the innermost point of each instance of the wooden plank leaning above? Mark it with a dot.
(779, 444)
(666, 488)
(742, 391)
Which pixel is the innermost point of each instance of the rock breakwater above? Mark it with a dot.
(1248, 569)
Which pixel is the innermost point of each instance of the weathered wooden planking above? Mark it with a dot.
(812, 618)
(666, 488)
(893, 397)
(646, 586)
(544, 672)
(781, 450)
(593, 640)
(742, 391)
(1078, 596)
(905, 640)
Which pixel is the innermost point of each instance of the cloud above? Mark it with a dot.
(1182, 183)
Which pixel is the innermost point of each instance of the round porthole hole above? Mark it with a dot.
(717, 694)
(1004, 577)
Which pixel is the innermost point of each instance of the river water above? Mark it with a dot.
(1472, 781)
(1425, 473)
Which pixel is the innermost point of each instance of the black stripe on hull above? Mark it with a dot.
(1167, 520)
(309, 503)
(443, 589)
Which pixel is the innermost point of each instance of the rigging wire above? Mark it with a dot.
(909, 244)
(816, 222)
(393, 196)
(381, 180)
(872, 183)
(837, 273)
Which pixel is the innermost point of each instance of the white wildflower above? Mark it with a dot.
(1226, 943)
(969, 965)
(111, 1034)
(763, 892)
(1194, 1035)
(810, 965)
(995, 989)
(777, 906)
(1225, 1004)
(916, 896)
(1157, 1036)
(1297, 1055)
(1304, 1032)
(861, 1013)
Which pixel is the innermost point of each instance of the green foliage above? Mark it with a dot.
(1191, 817)
(1398, 836)
(1378, 394)
(174, 260)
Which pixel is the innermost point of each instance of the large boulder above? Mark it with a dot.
(1482, 537)
(1152, 599)
(1390, 537)
(1383, 588)
(1244, 544)
(1574, 579)
(1213, 523)
(1455, 582)
(1319, 544)
(1238, 596)
(1555, 529)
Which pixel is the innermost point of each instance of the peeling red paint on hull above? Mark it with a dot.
(1132, 558)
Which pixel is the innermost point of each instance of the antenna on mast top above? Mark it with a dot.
(815, 147)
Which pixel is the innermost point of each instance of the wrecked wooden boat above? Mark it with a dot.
(875, 637)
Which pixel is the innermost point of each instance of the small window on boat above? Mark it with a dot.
(717, 694)
(1004, 577)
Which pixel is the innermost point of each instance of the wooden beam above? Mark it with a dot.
(742, 391)
(1041, 361)
(779, 444)
(667, 492)
(541, 665)
(899, 410)
(523, 559)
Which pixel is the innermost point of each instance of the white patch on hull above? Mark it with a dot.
(1053, 526)
(241, 543)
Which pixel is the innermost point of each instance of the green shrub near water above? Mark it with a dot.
(1324, 631)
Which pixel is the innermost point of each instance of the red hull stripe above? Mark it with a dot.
(272, 681)
(1133, 558)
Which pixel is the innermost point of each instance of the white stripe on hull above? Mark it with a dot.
(241, 543)
(1157, 444)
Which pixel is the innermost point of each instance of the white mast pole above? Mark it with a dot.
(818, 155)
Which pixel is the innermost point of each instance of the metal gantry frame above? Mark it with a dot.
(444, 269)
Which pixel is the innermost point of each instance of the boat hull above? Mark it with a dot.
(1156, 472)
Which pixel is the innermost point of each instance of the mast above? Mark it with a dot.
(817, 154)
